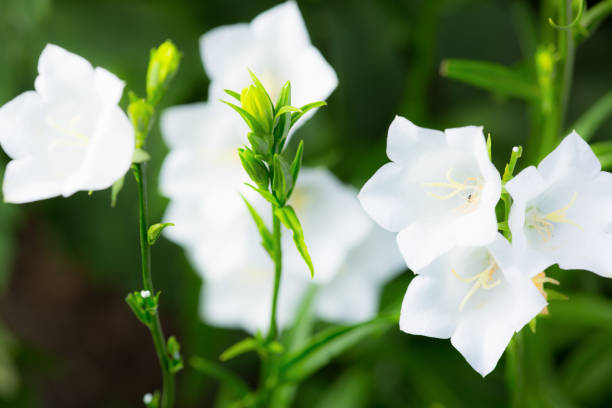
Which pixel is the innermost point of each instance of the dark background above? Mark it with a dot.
(67, 339)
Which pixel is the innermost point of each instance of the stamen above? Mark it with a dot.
(472, 185)
(73, 137)
(539, 280)
(544, 225)
(483, 280)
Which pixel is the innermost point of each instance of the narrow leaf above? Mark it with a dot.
(285, 109)
(328, 344)
(265, 194)
(492, 77)
(594, 117)
(221, 374)
(267, 241)
(243, 346)
(296, 165)
(233, 94)
(116, 188)
(155, 231)
(250, 120)
(140, 156)
(297, 115)
(282, 180)
(287, 216)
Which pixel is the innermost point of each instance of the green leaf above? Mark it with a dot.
(259, 85)
(596, 14)
(243, 346)
(282, 180)
(287, 216)
(262, 145)
(265, 194)
(255, 168)
(116, 188)
(144, 305)
(296, 165)
(583, 310)
(492, 77)
(173, 348)
(281, 127)
(267, 240)
(250, 120)
(594, 117)
(233, 94)
(221, 374)
(285, 109)
(155, 231)
(297, 115)
(328, 344)
(140, 156)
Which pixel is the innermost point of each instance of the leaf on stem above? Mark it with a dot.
(297, 115)
(290, 220)
(492, 77)
(221, 374)
(233, 94)
(267, 240)
(155, 231)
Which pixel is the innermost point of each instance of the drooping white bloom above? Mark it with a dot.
(67, 135)
(439, 191)
(475, 296)
(277, 48)
(562, 211)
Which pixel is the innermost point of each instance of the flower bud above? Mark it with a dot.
(255, 168)
(256, 101)
(140, 113)
(163, 64)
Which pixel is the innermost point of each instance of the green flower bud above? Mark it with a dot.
(140, 113)
(282, 180)
(163, 64)
(255, 168)
(256, 101)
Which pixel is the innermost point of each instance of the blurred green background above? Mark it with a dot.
(67, 339)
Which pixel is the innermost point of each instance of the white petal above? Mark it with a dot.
(422, 242)
(407, 142)
(181, 125)
(385, 198)
(526, 185)
(221, 47)
(282, 25)
(62, 73)
(426, 311)
(312, 79)
(108, 86)
(27, 180)
(482, 338)
(573, 157)
(19, 125)
(109, 154)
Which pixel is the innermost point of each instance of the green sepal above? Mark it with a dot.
(290, 220)
(282, 180)
(115, 189)
(265, 194)
(144, 307)
(233, 94)
(489, 145)
(155, 231)
(255, 168)
(267, 240)
(297, 115)
(173, 348)
(517, 152)
(296, 165)
(140, 156)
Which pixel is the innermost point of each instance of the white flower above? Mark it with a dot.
(475, 296)
(277, 48)
(69, 134)
(439, 191)
(562, 211)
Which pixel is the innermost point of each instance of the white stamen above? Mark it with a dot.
(145, 294)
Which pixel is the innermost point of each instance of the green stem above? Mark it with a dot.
(278, 267)
(167, 400)
(569, 53)
(516, 370)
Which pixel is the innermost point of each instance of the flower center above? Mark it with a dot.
(70, 136)
(482, 280)
(545, 224)
(469, 190)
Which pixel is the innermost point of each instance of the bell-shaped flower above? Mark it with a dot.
(475, 296)
(67, 135)
(277, 48)
(439, 191)
(562, 211)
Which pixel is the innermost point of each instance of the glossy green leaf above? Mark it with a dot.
(290, 220)
(296, 165)
(282, 180)
(265, 194)
(297, 115)
(255, 168)
(250, 120)
(492, 77)
(233, 94)
(243, 346)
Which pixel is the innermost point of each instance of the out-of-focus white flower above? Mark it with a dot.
(277, 48)
(67, 135)
(477, 297)
(562, 211)
(439, 191)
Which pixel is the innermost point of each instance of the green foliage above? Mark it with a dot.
(290, 220)
(163, 65)
(267, 240)
(155, 231)
(144, 306)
